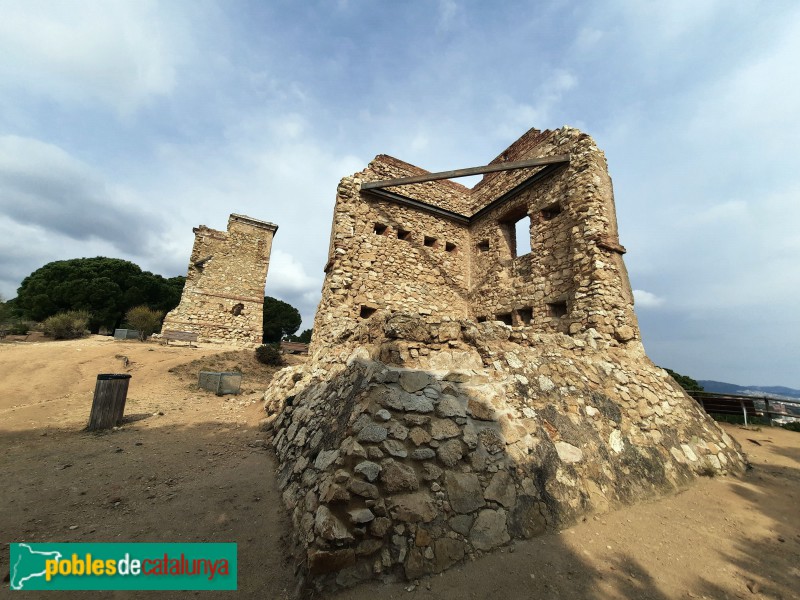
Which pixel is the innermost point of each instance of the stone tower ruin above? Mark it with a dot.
(461, 393)
(223, 297)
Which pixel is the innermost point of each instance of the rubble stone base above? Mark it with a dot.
(396, 464)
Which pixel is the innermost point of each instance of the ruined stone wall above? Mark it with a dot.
(417, 436)
(534, 143)
(400, 466)
(443, 193)
(387, 256)
(572, 280)
(574, 277)
(524, 290)
(223, 297)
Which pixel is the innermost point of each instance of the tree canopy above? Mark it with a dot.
(685, 381)
(304, 337)
(5, 310)
(281, 320)
(106, 287)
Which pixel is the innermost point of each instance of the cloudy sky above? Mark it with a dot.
(125, 124)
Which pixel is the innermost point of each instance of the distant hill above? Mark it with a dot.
(720, 387)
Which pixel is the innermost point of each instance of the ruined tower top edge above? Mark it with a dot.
(253, 222)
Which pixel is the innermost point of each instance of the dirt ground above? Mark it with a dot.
(190, 466)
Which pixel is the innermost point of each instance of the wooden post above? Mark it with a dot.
(108, 405)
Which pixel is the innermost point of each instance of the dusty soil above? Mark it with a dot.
(190, 466)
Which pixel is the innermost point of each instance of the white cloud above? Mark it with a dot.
(646, 299)
(716, 214)
(288, 281)
(670, 21)
(287, 276)
(588, 38)
(117, 53)
(448, 11)
(515, 117)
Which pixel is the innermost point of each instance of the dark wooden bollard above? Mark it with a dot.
(108, 405)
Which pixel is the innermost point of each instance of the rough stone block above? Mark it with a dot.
(489, 530)
(464, 491)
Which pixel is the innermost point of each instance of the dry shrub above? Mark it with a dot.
(67, 325)
(145, 320)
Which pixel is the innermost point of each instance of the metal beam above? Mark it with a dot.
(419, 205)
(525, 184)
(504, 166)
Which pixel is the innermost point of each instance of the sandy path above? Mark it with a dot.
(200, 472)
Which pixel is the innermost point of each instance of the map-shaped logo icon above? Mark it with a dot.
(27, 564)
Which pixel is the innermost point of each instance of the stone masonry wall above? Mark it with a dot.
(443, 192)
(458, 397)
(573, 278)
(390, 256)
(533, 143)
(392, 469)
(223, 297)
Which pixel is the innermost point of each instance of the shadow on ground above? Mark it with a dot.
(148, 482)
(721, 538)
(214, 482)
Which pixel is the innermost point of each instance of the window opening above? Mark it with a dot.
(403, 234)
(523, 236)
(449, 247)
(505, 318)
(525, 315)
(483, 246)
(380, 229)
(367, 311)
(481, 319)
(516, 227)
(557, 309)
(430, 241)
(551, 211)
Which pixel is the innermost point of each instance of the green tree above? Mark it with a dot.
(5, 311)
(145, 320)
(280, 320)
(686, 382)
(10, 319)
(105, 287)
(304, 337)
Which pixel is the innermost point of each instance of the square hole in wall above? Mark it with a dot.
(403, 234)
(367, 311)
(525, 315)
(557, 309)
(505, 318)
(551, 211)
(483, 246)
(429, 241)
(449, 247)
(481, 319)
(380, 229)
